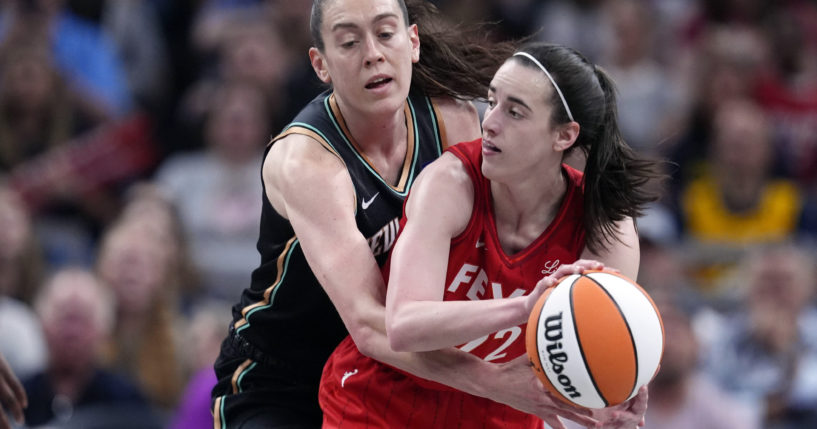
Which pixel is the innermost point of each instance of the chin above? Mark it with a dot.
(488, 170)
(390, 103)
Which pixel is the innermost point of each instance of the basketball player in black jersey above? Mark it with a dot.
(334, 182)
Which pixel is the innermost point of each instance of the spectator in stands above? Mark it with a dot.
(137, 265)
(77, 314)
(765, 353)
(83, 51)
(649, 101)
(737, 201)
(21, 337)
(681, 395)
(206, 330)
(217, 189)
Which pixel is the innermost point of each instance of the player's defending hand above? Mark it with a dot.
(12, 395)
(627, 415)
(518, 387)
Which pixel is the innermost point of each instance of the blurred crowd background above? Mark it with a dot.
(131, 134)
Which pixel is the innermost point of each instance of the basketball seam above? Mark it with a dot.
(629, 330)
(579, 343)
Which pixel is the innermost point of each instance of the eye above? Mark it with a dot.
(349, 44)
(386, 35)
(513, 113)
(491, 103)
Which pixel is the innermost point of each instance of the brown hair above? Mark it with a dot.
(455, 61)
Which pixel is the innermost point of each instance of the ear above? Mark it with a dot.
(414, 39)
(319, 65)
(566, 135)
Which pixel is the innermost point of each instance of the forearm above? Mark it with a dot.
(431, 325)
(450, 366)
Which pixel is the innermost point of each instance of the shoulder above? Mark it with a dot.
(447, 169)
(444, 189)
(300, 170)
(300, 155)
(461, 119)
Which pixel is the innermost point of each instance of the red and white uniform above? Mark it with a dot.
(357, 391)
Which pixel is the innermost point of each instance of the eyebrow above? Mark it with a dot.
(512, 99)
(352, 25)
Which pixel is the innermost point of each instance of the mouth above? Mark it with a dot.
(486, 145)
(378, 82)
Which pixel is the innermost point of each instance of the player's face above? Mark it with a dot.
(518, 139)
(368, 54)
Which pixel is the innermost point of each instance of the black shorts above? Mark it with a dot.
(255, 391)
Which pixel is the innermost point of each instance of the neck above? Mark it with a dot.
(375, 132)
(130, 323)
(741, 194)
(525, 207)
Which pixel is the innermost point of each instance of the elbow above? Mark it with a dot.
(365, 338)
(399, 337)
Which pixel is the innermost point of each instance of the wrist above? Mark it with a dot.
(482, 379)
(524, 308)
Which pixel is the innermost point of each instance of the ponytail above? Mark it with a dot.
(615, 178)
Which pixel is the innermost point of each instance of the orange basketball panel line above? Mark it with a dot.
(530, 338)
(655, 308)
(610, 358)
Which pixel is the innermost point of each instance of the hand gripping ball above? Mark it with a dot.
(595, 338)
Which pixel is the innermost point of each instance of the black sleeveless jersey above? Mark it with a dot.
(286, 313)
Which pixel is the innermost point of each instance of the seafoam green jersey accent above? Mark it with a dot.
(243, 373)
(414, 145)
(269, 294)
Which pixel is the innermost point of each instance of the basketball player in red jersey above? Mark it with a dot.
(482, 226)
(334, 181)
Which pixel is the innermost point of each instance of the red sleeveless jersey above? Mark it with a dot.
(479, 269)
(357, 391)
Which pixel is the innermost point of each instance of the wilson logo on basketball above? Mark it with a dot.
(594, 339)
(556, 355)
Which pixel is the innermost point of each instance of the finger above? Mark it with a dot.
(7, 377)
(546, 283)
(639, 402)
(554, 422)
(561, 407)
(10, 401)
(583, 420)
(589, 264)
(4, 423)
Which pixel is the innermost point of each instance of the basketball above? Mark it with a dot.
(595, 338)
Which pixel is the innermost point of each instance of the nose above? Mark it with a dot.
(490, 123)
(373, 54)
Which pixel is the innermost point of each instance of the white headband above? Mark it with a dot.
(558, 91)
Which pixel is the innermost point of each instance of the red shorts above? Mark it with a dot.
(359, 392)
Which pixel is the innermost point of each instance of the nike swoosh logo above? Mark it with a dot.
(366, 203)
(480, 243)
